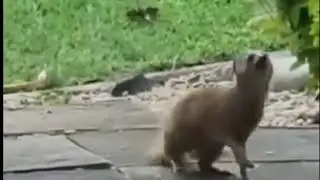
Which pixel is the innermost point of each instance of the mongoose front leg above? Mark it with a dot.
(239, 151)
(175, 151)
(240, 155)
(207, 155)
(177, 164)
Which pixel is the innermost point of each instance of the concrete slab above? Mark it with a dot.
(283, 145)
(104, 116)
(128, 147)
(29, 153)
(125, 148)
(272, 171)
(159, 173)
(79, 174)
(288, 171)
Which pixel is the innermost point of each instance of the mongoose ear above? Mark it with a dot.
(250, 58)
(239, 66)
(262, 62)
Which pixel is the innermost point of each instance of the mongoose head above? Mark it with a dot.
(253, 73)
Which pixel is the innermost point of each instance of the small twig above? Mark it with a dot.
(174, 63)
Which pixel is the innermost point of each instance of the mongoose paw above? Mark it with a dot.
(245, 178)
(249, 164)
(223, 172)
(214, 170)
(176, 168)
(226, 173)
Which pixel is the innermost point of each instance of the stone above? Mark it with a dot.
(300, 121)
(285, 79)
(194, 78)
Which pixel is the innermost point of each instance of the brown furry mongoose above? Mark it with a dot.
(208, 119)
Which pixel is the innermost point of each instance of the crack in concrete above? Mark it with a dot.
(83, 130)
(102, 165)
(50, 132)
(112, 166)
(128, 128)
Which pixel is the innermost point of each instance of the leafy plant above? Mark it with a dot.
(297, 23)
(313, 6)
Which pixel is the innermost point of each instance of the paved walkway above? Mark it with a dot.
(91, 142)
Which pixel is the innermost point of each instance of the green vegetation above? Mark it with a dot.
(297, 23)
(80, 40)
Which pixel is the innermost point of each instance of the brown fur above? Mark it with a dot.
(208, 119)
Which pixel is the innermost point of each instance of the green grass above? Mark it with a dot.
(77, 40)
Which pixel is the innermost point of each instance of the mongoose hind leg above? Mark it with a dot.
(177, 160)
(177, 164)
(175, 152)
(208, 155)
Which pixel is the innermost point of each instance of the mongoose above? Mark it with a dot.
(134, 85)
(208, 119)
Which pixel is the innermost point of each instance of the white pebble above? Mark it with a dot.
(300, 121)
